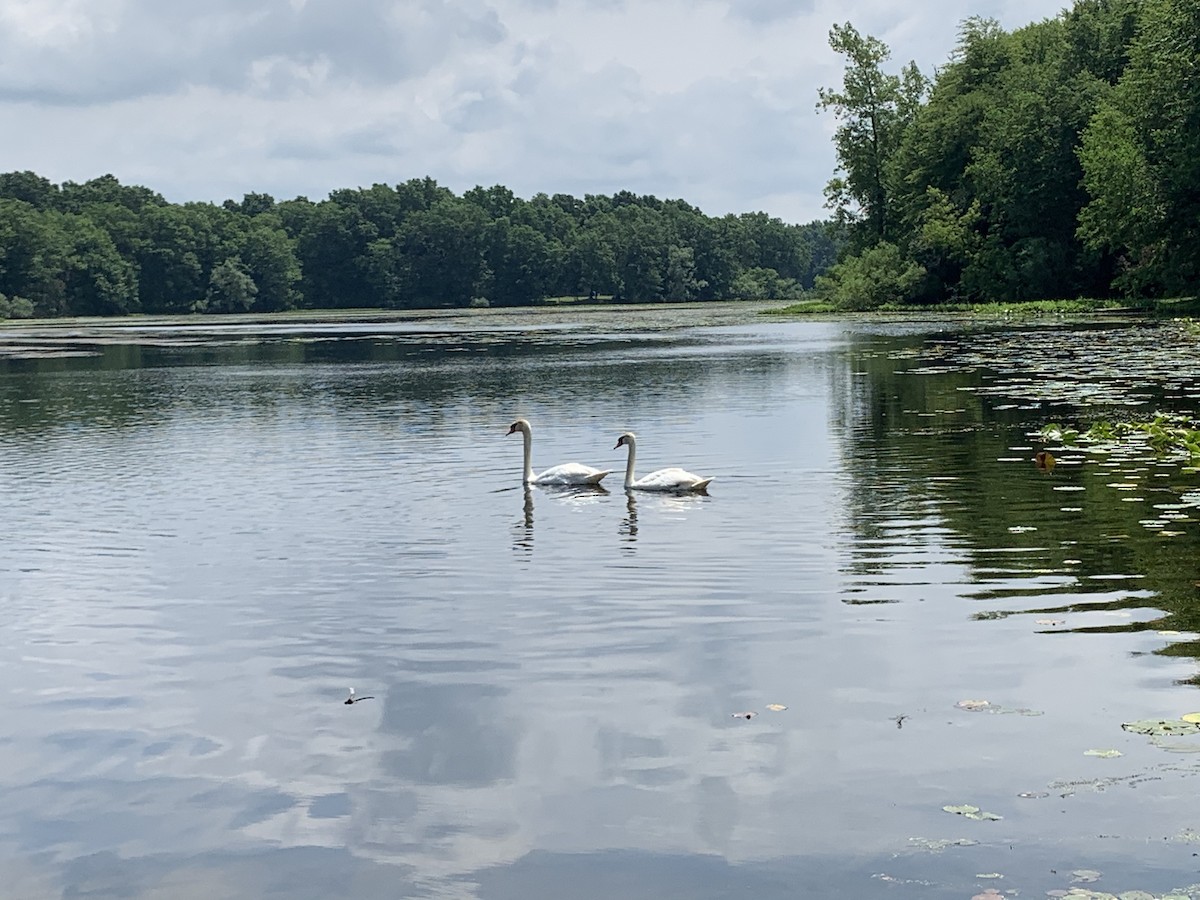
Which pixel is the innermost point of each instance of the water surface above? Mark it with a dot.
(213, 531)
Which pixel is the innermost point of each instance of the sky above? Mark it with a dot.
(710, 101)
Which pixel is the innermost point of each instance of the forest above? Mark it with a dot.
(1059, 160)
(102, 248)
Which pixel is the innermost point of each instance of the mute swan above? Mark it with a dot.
(673, 479)
(566, 474)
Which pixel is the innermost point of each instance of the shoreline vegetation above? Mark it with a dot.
(1174, 307)
(1056, 160)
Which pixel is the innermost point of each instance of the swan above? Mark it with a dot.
(566, 474)
(673, 479)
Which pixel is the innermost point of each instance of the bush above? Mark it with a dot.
(871, 279)
(15, 308)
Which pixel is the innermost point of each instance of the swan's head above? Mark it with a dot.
(521, 425)
(627, 439)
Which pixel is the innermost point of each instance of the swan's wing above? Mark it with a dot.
(571, 473)
(673, 479)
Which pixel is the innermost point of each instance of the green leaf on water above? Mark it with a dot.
(1193, 718)
(1084, 876)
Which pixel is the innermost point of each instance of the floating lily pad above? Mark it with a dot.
(940, 845)
(1033, 795)
(1103, 754)
(1161, 726)
(1192, 718)
(1085, 876)
(973, 812)
(776, 707)
(972, 704)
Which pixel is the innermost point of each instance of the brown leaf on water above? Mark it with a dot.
(1044, 460)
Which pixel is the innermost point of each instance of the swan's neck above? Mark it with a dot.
(630, 462)
(527, 437)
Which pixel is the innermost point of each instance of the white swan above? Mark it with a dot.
(673, 479)
(566, 474)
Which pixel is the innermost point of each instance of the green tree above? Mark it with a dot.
(1141, 156)
(873, 108)
(880, 275)
(269, 258)
(230, 288)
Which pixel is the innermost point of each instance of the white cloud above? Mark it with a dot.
(710, 100)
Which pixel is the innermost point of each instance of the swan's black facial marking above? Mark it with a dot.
(511, 428)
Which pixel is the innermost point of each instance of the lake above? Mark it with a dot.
(214, 530)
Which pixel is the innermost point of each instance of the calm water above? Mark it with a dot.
(211, 533)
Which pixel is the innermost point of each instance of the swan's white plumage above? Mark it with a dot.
(566, 474)
(672, 479)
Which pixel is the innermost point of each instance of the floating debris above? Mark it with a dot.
(995, 708)
(743, 715)
(352, 699)
(1103, 754)
(1174, 727)
(1033, 795)
(776, 707)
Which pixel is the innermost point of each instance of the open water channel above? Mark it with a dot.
(211, 531)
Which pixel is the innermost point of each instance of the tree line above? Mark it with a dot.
(1059, 160)
(102, 248)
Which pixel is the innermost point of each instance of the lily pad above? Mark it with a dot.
(776, 707)
(972, 704)
(1085, 876)
(1193, 718)
(939, 845)
(1103, 754)
(973, 812)
(1161, 726)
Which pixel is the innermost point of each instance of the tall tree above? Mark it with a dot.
(874, 108)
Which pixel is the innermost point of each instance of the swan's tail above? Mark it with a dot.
(701, 486)
(597, 477)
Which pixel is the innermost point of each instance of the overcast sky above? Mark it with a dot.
(712, 101)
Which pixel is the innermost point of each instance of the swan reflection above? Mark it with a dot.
(575, 495)
(664, 502)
